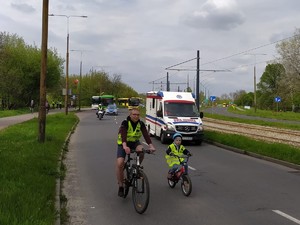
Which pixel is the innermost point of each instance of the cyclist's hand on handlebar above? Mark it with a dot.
(151, 148)
(127, 150)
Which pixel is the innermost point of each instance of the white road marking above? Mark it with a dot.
(192, 168)
(287, 216)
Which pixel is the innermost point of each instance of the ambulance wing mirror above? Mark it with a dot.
(159, 113)
(201, 115)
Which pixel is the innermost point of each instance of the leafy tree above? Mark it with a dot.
(20, 71)
(289, 85)
(243, 98)
(268, 87)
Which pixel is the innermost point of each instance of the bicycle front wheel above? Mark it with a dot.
(126, 181)
(186, 184)
(141, 193)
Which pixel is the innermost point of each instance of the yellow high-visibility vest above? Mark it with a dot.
(174, 160)
(132, 135)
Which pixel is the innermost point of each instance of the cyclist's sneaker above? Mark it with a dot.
(121, 192)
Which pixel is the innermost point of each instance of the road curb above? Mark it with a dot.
(60, 179)
(244, 152)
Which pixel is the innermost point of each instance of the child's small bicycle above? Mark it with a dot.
(181, 175)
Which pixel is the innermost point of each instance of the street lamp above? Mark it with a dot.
(80, 76)
(67, 57)
(254, 77)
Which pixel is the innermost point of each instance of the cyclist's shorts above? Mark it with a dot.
(121, 152)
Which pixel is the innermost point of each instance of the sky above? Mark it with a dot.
(144, 40)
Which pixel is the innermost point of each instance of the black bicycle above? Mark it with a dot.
(181, 175)
(135, 177)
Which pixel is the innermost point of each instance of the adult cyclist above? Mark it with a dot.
(130, 132)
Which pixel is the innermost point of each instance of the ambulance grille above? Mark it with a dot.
(186, 129)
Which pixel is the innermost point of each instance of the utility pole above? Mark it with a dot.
(198, 81)
(168, 82)
(44, 46)
(254, 79)
(80, 75)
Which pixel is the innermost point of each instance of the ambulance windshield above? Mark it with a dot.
(180, 109)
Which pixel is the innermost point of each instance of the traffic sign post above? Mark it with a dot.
(212, 99)
(277, 100)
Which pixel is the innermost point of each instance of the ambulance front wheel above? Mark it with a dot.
(163, 138)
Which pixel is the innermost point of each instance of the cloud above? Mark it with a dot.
(216, 15)
(25, 8)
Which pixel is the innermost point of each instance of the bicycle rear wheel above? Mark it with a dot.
(141, 193)
(186, 184)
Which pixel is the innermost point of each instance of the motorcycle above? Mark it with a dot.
(100, 114)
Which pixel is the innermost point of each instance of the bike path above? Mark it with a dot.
(12, 120)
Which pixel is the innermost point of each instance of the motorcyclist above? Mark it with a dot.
(100, 109)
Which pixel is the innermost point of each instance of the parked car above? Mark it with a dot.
(111, 110)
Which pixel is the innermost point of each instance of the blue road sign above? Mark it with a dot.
(212, 98)
(277, 99)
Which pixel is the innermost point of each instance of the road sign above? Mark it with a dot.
(277, 99)
(212, 98)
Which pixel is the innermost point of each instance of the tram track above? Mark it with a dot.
(265, 133)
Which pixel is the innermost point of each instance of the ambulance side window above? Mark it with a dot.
(159, 112)
(153, 103)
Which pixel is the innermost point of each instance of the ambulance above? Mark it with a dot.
(171, 112)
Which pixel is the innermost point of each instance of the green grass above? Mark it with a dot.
(29, 170)
(274, 150)
(266, 113)
(15, 112)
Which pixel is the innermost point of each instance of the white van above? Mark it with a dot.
(171, 112)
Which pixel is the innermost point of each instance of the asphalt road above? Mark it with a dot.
(228, 188)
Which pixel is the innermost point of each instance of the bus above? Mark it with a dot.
(105, 100)
(123, 102)
(134, 102)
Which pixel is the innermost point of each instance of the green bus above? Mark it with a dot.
(105, 100)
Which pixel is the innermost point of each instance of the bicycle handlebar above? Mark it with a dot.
(148, 151)
(181, 156)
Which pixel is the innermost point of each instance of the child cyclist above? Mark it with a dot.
(176, 149)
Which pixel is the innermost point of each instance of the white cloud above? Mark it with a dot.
(216, 14)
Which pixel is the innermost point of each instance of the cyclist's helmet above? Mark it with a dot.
(177, 135)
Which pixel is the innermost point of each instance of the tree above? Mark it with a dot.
(20, 71)
(289, 85)
(268, 87)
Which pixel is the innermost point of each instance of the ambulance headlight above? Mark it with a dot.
(200, 128)
(170, 127)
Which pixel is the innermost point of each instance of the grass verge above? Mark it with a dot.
(29, 170)
(13, 112)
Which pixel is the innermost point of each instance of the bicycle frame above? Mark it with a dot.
(132, 169)
(137, 179)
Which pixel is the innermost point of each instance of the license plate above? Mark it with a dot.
(187, 138)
